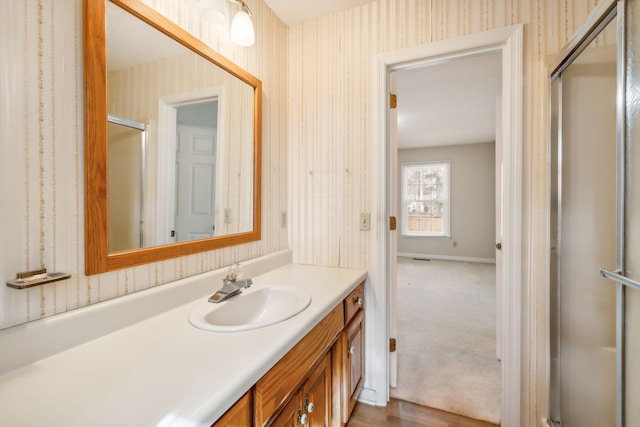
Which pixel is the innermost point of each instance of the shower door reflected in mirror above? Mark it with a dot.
(127, 143)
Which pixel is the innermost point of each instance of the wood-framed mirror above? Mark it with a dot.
(170, 95)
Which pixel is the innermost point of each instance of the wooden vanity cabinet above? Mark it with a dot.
(353, 351)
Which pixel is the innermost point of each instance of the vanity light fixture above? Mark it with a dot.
(242, 32)
(215, 12)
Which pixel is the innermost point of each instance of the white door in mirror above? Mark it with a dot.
(254, 308)
(195, 181)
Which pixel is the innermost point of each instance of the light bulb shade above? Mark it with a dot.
(213, 11)
(242, 32)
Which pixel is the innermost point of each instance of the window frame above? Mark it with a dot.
(404, 202)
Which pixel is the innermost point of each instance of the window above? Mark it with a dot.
(425, 199)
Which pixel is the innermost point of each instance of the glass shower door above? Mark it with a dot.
(584, 147)
(596, 323)
(630, 378)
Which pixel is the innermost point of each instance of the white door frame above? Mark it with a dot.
(508, 41)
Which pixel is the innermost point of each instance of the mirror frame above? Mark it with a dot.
(97, 256)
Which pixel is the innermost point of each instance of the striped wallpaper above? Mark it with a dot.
(332, 141)
(330, 85)
(41, 155)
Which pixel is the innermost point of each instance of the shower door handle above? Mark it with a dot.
(618, 278)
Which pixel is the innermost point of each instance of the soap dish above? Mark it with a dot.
(28, 279)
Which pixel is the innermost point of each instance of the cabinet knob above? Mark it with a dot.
(310, 407)
(352, 350)
(358, 301)
(303, 419)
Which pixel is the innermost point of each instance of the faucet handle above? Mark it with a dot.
(235, 271)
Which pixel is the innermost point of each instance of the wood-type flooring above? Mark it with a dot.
(399, 413)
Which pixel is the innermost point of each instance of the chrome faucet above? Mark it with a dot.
(231, 285)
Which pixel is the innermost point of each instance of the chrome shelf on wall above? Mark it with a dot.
(28, 279)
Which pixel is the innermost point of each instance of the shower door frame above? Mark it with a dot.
(605, 13)
(144, 140)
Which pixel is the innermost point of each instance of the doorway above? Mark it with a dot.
(507, 41)
(196, 149)
(192, 119)
(447, 190)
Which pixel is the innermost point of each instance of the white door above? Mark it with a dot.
(499, 207)
(195, 176)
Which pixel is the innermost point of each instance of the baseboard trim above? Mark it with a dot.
(447, 257)
(368, 396)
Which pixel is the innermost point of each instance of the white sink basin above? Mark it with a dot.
(252, 309)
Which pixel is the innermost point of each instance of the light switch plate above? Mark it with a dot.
(365, 221)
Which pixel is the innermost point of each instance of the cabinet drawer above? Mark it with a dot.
(281, 382)
(353, 303)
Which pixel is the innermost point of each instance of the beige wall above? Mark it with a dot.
(472, 203)
(41, 154)
(332, 134)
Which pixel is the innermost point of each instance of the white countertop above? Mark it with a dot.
(162, 371)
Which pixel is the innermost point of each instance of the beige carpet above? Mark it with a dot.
(446, 337)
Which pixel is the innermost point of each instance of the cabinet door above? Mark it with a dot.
(317, 395)
(355, 360)
(291, 414)
(239, 415)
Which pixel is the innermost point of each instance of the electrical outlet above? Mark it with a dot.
(283, 219)
(227, 216)
(365, 221)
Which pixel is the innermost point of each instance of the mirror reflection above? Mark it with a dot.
(180, 141)
(127, 143)
(186, 176)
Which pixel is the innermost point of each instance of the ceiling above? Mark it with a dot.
(450, 103)
(295, 11)
(140, 44)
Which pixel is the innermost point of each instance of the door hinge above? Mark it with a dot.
(393, 223)
(392, 345)
(393, 100)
